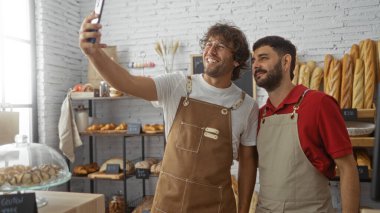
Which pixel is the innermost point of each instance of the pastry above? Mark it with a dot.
(327, 65)
(316, 78)
(347, 81)
(335, 79)
(358, 85)
(115, 93)
(80, 170)
(19, 175)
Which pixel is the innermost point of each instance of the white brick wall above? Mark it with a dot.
(316, 27)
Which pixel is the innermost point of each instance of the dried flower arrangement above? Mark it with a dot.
(166, 51)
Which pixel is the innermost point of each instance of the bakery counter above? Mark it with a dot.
(70, 202)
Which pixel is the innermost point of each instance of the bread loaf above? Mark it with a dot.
(156, 168)
(362, 50)
(304, 77)
(378, 60)
(362, 158)
(129, 167)
(335, 79)
(296, 74)
(142, 165)
(354, 53)
(316, 78)
(326, 71)
(358, 85)
(347, 81)
(369, 73)
(311, 64)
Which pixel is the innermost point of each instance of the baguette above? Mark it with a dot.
(358, 85)
(311, 65)
(354, 53)
(362, 50)
(378, 60)
(296, 74)
(304, 77)
(316, 78)
(369, 74)
(335, 79)
(346, 84)
(328, 59)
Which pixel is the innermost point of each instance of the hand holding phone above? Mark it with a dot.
(98, 10)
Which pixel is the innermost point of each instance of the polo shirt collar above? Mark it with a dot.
(291, 98)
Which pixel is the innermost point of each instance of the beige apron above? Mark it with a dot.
(288, 181)
(195, 175)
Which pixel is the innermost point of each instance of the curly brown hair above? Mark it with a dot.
(231, 35)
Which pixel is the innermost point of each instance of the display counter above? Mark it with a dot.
(70, 202)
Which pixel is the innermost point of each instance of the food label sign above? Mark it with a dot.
(142, 173)
(350, 114)
(18, 203)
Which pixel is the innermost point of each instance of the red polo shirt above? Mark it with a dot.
(321, 128)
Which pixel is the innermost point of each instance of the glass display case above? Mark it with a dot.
(30, 166)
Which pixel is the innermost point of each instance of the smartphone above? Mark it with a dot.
(98, 10)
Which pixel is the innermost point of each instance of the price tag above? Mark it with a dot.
(133, 129)
(350, 114)
(142, 173)
(113, 169)
(363, 172)
(15, 203)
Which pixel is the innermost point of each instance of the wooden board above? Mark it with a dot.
(102, 175)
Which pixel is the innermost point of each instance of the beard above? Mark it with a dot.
(215, 71)
(273, 78)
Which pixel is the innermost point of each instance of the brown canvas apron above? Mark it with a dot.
(195, 175)
(288, 181)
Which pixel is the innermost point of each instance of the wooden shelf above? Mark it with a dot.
(362, 141)
(366, 113)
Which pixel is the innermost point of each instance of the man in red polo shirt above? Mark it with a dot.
(301, 137)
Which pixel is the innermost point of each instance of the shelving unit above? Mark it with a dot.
(125, 135)
(364, 114)
(364, 141)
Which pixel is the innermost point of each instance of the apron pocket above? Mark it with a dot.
(202, 198)
(169, 194)
(190, 137)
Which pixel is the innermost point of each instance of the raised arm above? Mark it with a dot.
(112, 72)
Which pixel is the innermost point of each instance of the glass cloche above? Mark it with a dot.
(29, 166)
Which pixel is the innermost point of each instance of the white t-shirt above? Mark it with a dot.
(171, 87)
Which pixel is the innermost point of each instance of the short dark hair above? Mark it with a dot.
(281, 46)
(231, 35)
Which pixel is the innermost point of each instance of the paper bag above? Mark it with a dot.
(93, 77)
(9, 126)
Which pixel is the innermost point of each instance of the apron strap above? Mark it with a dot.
(239, 102)
(297, 105)
(189, 88)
